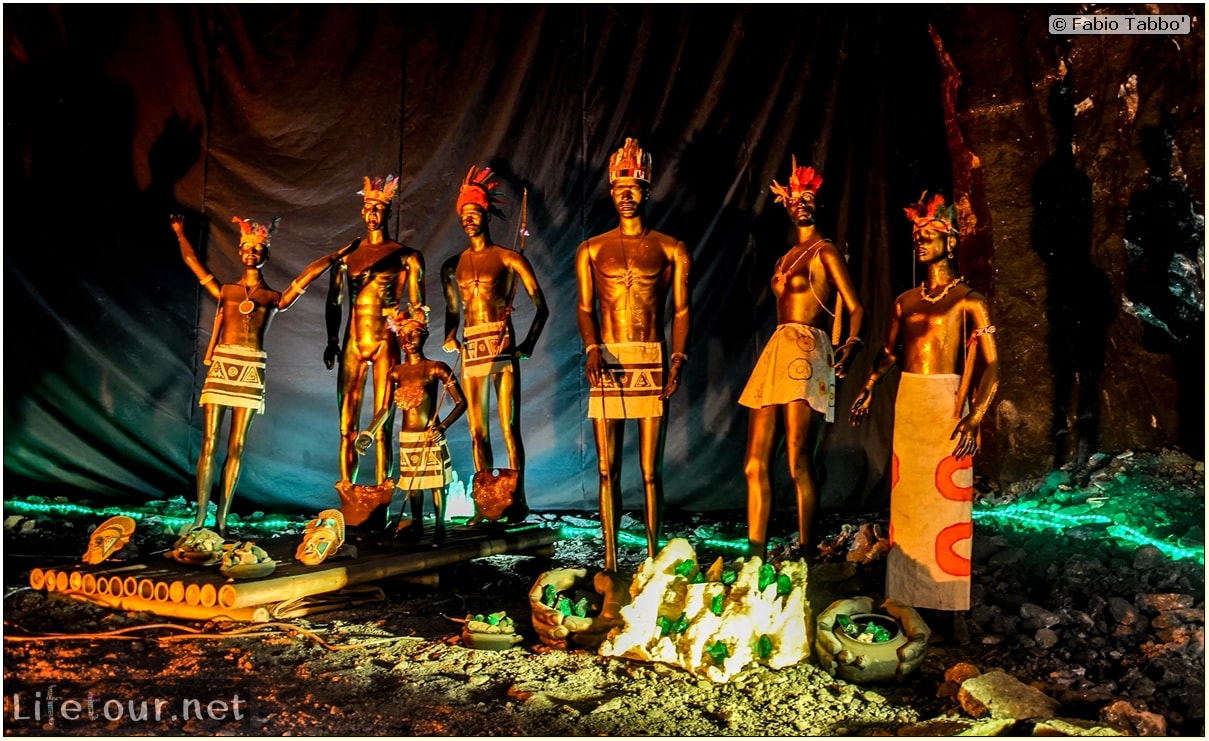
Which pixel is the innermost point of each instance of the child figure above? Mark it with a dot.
(423, 454)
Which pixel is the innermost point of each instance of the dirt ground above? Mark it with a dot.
(396, 666)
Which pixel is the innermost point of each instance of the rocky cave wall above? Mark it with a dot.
(1078, 167)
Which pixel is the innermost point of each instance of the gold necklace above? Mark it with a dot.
(247, 306)
(923, 290)
(783, 274)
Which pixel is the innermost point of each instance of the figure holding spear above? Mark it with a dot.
(480, 285)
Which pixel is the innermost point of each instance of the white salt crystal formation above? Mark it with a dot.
(672, 620)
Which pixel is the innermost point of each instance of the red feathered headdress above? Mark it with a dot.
(382, 191)
(801, 180)
(933, 211)
(479, 187)
(254, 231)
(401, 321)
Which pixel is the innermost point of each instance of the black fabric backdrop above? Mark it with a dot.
(117, 116)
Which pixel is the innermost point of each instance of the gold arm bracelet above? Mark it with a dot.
(679, 355)
(590, 348)
(207, 279)
(296, 287)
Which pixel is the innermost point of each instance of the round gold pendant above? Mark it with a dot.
(247, 306)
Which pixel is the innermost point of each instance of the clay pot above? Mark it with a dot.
(873, 662)
(563, 632)
(853, 660)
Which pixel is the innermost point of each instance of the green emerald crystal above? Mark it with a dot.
(685, 567)
(876, 632)
(718, 652)
(715, 605)
(764, 646)
(680, 624)
(784, 585)
(580, 608)
(847, 626)
(768, 574)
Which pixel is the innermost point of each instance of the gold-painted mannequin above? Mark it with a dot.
(383, 277)
(245, 310)
(415, 387)
(794, 381)
(942, 328)
(932, 326)
(479, 285)
(624, 276)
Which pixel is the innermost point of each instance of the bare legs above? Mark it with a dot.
(508, 395)
(803, 427)
(241, 422)
(610, 436)
(412, 530)
(349, 389)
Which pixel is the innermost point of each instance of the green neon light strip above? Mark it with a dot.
(276, 523)
(1174, 551)
(1044, 519)
(1035, 518)
(627, 538)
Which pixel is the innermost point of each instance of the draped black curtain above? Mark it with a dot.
(117, 116)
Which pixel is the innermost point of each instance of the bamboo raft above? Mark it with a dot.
(165, 587)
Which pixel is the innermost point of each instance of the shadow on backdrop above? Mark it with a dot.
(1164, 277)
(1078, 303)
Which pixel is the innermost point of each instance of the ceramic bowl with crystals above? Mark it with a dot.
(858, 644)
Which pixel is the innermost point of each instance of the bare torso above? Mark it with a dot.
(417, 390)
(246, 330)
(934, 334)
(485, 279)
(379, 287)
(631, 276)
(801, 283)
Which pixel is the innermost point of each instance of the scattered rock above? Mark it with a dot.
(999, 695)
(1140, 722)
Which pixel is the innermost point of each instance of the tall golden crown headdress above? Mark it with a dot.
(933, 211)
(479, 187)
(630, 162)
(253, 231)
(801, 180)
(382, 191)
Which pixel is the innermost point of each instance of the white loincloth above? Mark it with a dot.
(630, 382)
(931, 499)
(236, 378)
(481, 350)
(423, 464)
